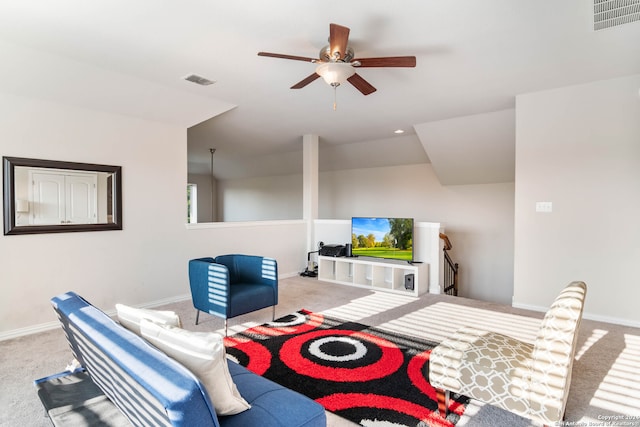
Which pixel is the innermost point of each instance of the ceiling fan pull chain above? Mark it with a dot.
(335, 101)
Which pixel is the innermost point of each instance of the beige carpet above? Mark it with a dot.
(606, 376)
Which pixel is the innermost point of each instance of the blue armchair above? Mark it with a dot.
(231, 285)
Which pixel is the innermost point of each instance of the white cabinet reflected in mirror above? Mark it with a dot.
(45, 196)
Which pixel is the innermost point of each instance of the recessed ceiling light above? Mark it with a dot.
(398, 131)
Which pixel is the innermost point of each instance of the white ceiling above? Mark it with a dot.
(473, 58)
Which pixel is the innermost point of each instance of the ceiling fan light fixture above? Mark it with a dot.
(335, 73)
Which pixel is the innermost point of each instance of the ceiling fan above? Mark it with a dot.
(337, 63)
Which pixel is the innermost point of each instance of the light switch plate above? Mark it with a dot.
(544, 207)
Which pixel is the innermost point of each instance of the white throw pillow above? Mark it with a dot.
(130, 317)
(203, 354)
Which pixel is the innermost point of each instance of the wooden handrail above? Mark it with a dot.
(447, 242)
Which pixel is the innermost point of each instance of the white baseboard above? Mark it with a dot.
(586, 315)
(42, 327)
(530, 307)
(164, 301)
(29, 330)
(287, 275)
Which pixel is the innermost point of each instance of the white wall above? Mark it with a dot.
(282, 240)
(260, 199)
(477, 218)
(135, 263)
(147, 260)
(579, 148)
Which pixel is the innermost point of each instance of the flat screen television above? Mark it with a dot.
(389, 238)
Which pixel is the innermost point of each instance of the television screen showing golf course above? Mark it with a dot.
(390, 238)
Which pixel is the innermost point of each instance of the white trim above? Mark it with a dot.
(43, 327)
(288, 275)
(29, 330)
(218, 225)
(332, 221)
(160, 302)
(595, 317)
(436, 225)
(154, 304)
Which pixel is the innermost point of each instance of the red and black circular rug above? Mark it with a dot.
(361, 373)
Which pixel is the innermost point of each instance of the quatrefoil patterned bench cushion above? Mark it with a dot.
(483, 365)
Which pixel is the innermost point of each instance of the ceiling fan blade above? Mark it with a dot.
(295, 58)
(338, 39)
(361, 84)
(302, 83)
(388, 61)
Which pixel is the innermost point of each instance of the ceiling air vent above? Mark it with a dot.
(201, 80)
(612, 13)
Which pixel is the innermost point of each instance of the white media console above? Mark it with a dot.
(380, 275)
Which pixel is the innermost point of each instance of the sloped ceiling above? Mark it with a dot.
(477, 149)
(33, 73)
(473, 58)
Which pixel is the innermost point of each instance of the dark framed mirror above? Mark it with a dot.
(48, 196)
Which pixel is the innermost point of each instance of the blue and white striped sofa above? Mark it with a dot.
(151, 389)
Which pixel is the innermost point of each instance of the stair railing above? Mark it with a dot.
(450, 268)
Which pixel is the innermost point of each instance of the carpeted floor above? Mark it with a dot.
(606, 375)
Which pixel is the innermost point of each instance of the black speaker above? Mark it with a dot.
(347, 251)
(409, 281)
